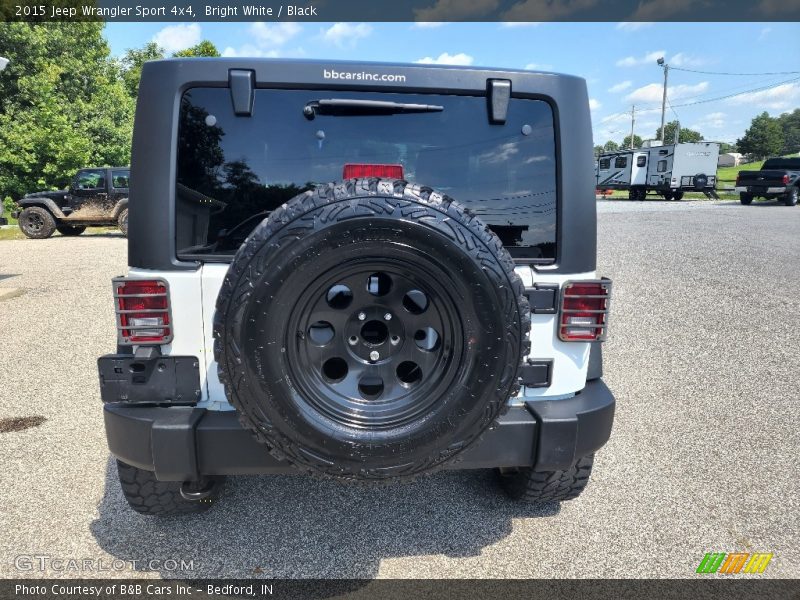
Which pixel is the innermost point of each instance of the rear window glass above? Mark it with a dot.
(232, 171)
(605, 163)
(620, 162)
(782, 163)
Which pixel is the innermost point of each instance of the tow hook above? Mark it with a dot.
(198, 491)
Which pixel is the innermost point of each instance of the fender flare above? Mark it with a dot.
(120, 205)
(42, 201)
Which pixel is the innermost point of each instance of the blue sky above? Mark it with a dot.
(618, 60)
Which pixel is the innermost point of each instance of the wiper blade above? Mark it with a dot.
(352, 107)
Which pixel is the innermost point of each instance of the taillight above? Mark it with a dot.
(785, 180)
(354, 170)
(142, 307)
(738, 179)
(584, 311)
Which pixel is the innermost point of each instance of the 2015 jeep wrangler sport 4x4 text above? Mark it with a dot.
(366, 279)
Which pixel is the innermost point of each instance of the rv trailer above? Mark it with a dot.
(668, 171)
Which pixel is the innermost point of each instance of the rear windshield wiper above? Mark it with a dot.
(353, 107)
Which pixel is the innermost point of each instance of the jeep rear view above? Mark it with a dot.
(368, 277)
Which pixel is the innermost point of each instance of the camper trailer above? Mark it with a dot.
(668, 171)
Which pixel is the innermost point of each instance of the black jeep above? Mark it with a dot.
(365, 272)
(97, 197)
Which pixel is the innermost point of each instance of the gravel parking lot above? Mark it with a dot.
(704, 358)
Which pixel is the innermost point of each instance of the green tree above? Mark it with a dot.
(132, 61)
(637, 141)
(790, 124)
(64, 105)
(763, 138)
(725, 147)
(686, 135)
(204, 48)
(611, 146)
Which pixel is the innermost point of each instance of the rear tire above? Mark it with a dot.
(677, 196)
(790, 199)
(527, 485)
(745, 198)
(70, 230)
(37, 223)
(122, 222)
(149, 496)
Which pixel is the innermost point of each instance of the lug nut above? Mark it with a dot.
(387, 317)
(362, 316)
(374, 355)
(353, 340)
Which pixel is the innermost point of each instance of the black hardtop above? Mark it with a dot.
(151, 239)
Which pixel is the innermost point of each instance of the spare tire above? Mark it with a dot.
(370, 330)
(700, 181)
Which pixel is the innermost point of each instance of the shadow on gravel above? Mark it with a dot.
(296, 526)
(755, 204)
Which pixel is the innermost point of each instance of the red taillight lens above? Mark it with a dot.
(142, 307)
(354, 170)
(584, 311)
(785, 180)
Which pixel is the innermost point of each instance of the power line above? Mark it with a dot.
(734, 74)
(625, 114)
(759, 89)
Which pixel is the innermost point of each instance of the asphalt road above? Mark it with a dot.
(704, 359)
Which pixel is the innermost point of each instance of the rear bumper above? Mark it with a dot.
(182, 443)
(757, 190)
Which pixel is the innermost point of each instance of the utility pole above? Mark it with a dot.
(665, 66)
(633, 120)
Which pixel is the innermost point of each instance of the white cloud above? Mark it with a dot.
(594, 104)
(428, 24)
(615, 117)
(267, 40)
(453, 10)
(271, 36)
(632, 61)
(634, 25)
(178, 37)
(546, 10)
(654, 91)
(518, 24)
(684, 60)
(538, 67)
(714, 120)
(249, 50)
(620, 87)
(345, 34)
(780, 97)
(448, 59)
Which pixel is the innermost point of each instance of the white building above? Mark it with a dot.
(730, 159)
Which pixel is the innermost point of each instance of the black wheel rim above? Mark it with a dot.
(34, 222)
(374, 344)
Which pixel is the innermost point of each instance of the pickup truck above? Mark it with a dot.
(778, 178)
(97, 197)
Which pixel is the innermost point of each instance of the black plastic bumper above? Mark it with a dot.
(181, 442)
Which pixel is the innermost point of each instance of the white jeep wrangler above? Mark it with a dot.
(366, 277)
